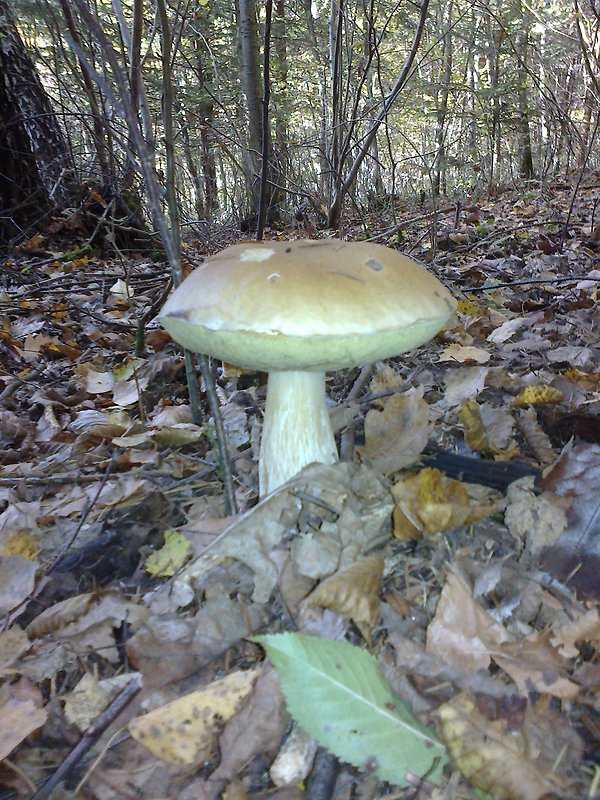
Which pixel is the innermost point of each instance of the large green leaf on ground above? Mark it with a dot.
(339, 696)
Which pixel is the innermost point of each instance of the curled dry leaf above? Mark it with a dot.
(185, 732)
(105, 424)
(88, 621)
(353, 592)
(429, 503)
(504, 747)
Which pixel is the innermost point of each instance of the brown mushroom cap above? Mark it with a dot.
(306, 305)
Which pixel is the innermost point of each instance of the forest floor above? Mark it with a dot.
(470, 568)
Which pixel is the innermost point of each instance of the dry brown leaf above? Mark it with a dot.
(397, 435)
(536, 521)
(257, 728)
(428, 503)
(17, 579)
(497, 746)
(462, 355)
(585, 628)
(14, 642)
(88, 621)
(353, 592)
(185, 732)
(533, 663)
(462, 632)
(463, 383)
(488, 429)
(19, 719)
(576, 554)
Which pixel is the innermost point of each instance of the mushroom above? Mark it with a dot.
(296, 309)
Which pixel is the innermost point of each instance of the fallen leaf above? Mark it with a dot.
(353, 592)
(541, 394)
(398, 434)
(429, 503)
(185, 731)
(488, 429)
(584, 628)
(536, 521)
(576, 554)
(19, 719)
(461, 632)
(166, 561)
(496, 745)
(460, 354)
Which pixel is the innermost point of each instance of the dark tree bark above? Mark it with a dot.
(248, 56)
(35, 167)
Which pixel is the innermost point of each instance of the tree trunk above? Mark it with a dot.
(37, 170)
(439, 166)
(525, 151)
(99, 122)
(206, 114)
(250, 81)
(280, 97)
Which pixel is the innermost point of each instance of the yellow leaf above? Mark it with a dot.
(32, 244)
(19, 543)
(588, 379)
(494, 747)
(429, 503)
(166, 561)
(185, 731)
(537, 395)
(470, 309)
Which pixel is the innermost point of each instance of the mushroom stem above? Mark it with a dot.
(296, 429)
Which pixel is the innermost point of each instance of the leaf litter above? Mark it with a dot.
(480, 604)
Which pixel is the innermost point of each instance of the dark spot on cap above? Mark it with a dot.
(288, 249)
(375, 265)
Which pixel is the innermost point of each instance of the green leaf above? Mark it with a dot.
(337, 693)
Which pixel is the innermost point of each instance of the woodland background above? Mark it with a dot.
(312, 107)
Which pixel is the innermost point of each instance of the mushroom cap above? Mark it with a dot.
(306, 305)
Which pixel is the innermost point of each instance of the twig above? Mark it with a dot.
(148, 316)
(525, 281)
(89, 738)
(85, 514)
(225, 470)
(110, 323)
(37, 480)
(12, 387)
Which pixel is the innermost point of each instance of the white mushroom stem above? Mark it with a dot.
(296, 430)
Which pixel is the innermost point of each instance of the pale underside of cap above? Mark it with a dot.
(306, 305)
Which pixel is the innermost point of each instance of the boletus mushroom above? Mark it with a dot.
(296, 309)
